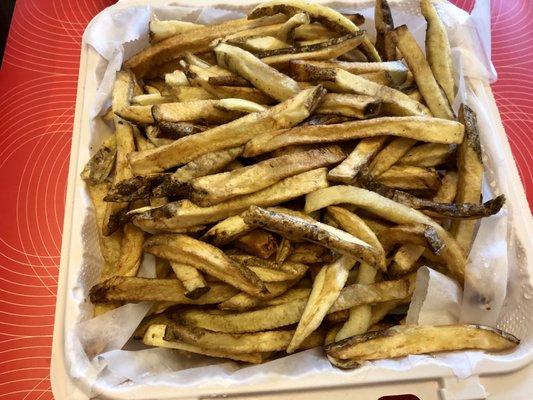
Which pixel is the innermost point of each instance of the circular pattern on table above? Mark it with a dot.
(38, 81)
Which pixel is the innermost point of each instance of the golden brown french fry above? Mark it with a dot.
(196, 41)
(131, 251)
(438, 52)
(405, 258)
(137, 114)
(448, 188)
(428, 86)
(141, 142)
(155, 337)
(384, 24)
(424, 129)
(470, 167)
(284, 250)
(209, 259)
(310, 253)
(317, 12)
(160, 30)
(227, 230)
(213, 189)
(287, 31)
(361, 155)
(258, 242)
(390, 154)
(297, 228)
(403, 340)
(410, 178)
(191, 279)
(184, 214)
(233, 134)
(101, 163)
(130, 288)
(202, 110)
(428, 155)
(350, 105)
(418, 234)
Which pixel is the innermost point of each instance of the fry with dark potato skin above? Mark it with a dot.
(424, 129)
(403, 340)
(101, 163)
(136, 188)
(191, 279)
(428, 155)
(296, 228)
(350, 105)
(232, 134)
(418, 234)
(205, 111)
(227, 230)
(384, 25)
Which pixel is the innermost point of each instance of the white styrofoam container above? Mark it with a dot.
(428, 382)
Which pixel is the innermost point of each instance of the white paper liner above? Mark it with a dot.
(116, 34)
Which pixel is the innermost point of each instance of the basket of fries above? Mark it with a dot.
(265, 197)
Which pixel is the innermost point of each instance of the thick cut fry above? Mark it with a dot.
(391, 211)
(438, 52)
(130, 288)
(258, 242)
(390, 154)
(310, 253)
(207, 111)
(206, 164)
(233, 134)
(101, 163)
(277, 340)
(428, 155)
(359, 158)
(394, 101)
(155, 337)
(183, 214)
(259, 74)
(326, 288)
(191, 279)
(410, 178)
(297, 228)
(424, 129)
(428, 86)
(196, 40)
(207, 258)
(384, 24)
(141, 115)
(131, 251)
(403, 340)
(176, 78)
(122, 90)
(287, 30)
(227, 230)
(213, 189)
(138, 187)
(350, 105)
(470, 167)
(317, 12)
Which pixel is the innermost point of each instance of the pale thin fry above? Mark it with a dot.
(410, 178)
(390, 154)
(122, 90)
(317, 12)
(403, 340)
(160, 30)
(209, 259)
(258, 242)
(239, 105)
(155, 337)
(101, 163)
(259, 43)
(213, 189)
(196, 40)
(183, 214)
(384, 24)
(176, 78)
(326, 288)
(297, 228)
(191, 279)
(424, 129)
(428, 155)
(130, 288)
(227, 230)
(192, 59)
(428, 86)
(151, 99)
(470, 167)
(359, 158)
(438, 52)
(233, 134)
(391, 211)
(350, 105)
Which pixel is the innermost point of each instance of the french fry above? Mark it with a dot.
(310, 253)
(176, 130)
(213, 189)
(448, 188)
(137, 114)
(424, 129)
(428, 86)
(403, 340)
(284, 250)
(227, 230)
(361, 155)
(123, 89)
(390, 154)
(287, 31)
(418, 234)
(151, 99)
(350, 105)
(202, 110)
(136, 188)
(258, 242)
(410, 178)
(176, 78)
(101, 163)
(131, 251)
(233, 134)
(184, 214)
(160, 30)
(141, 142)
(438, 52)
(428, 155)
(209, 259)
(191, 279)
(384, 24)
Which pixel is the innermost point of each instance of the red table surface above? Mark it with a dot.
(37, 99)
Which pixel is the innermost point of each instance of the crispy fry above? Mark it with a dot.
(176, 130)
(390, 154)
(428, 86)
(160, 30)
(310, 253)
(176, 78)
(361, 155)
(155, 337)
(209, 259)
(141, 142)
(297, 228)
(425, 129)
(191, 279)
(258, 242)
(233, 134)
(448, 189)
(206, 111)
(350, 105)
(130, 288)
(284, 250)
(403, 340)
(138, 187)
(384, 24)
(428, 155)
(101, 163)
(131, 251)
(141, 115)
(184, 213)
(410, 178)
(287, 31)
(227, 230)
(439, 54)
(317, 12)
(213, 189)
(418, 234)
(196, 40)
(289, 270)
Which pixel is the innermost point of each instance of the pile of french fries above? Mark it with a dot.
(290, 176)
